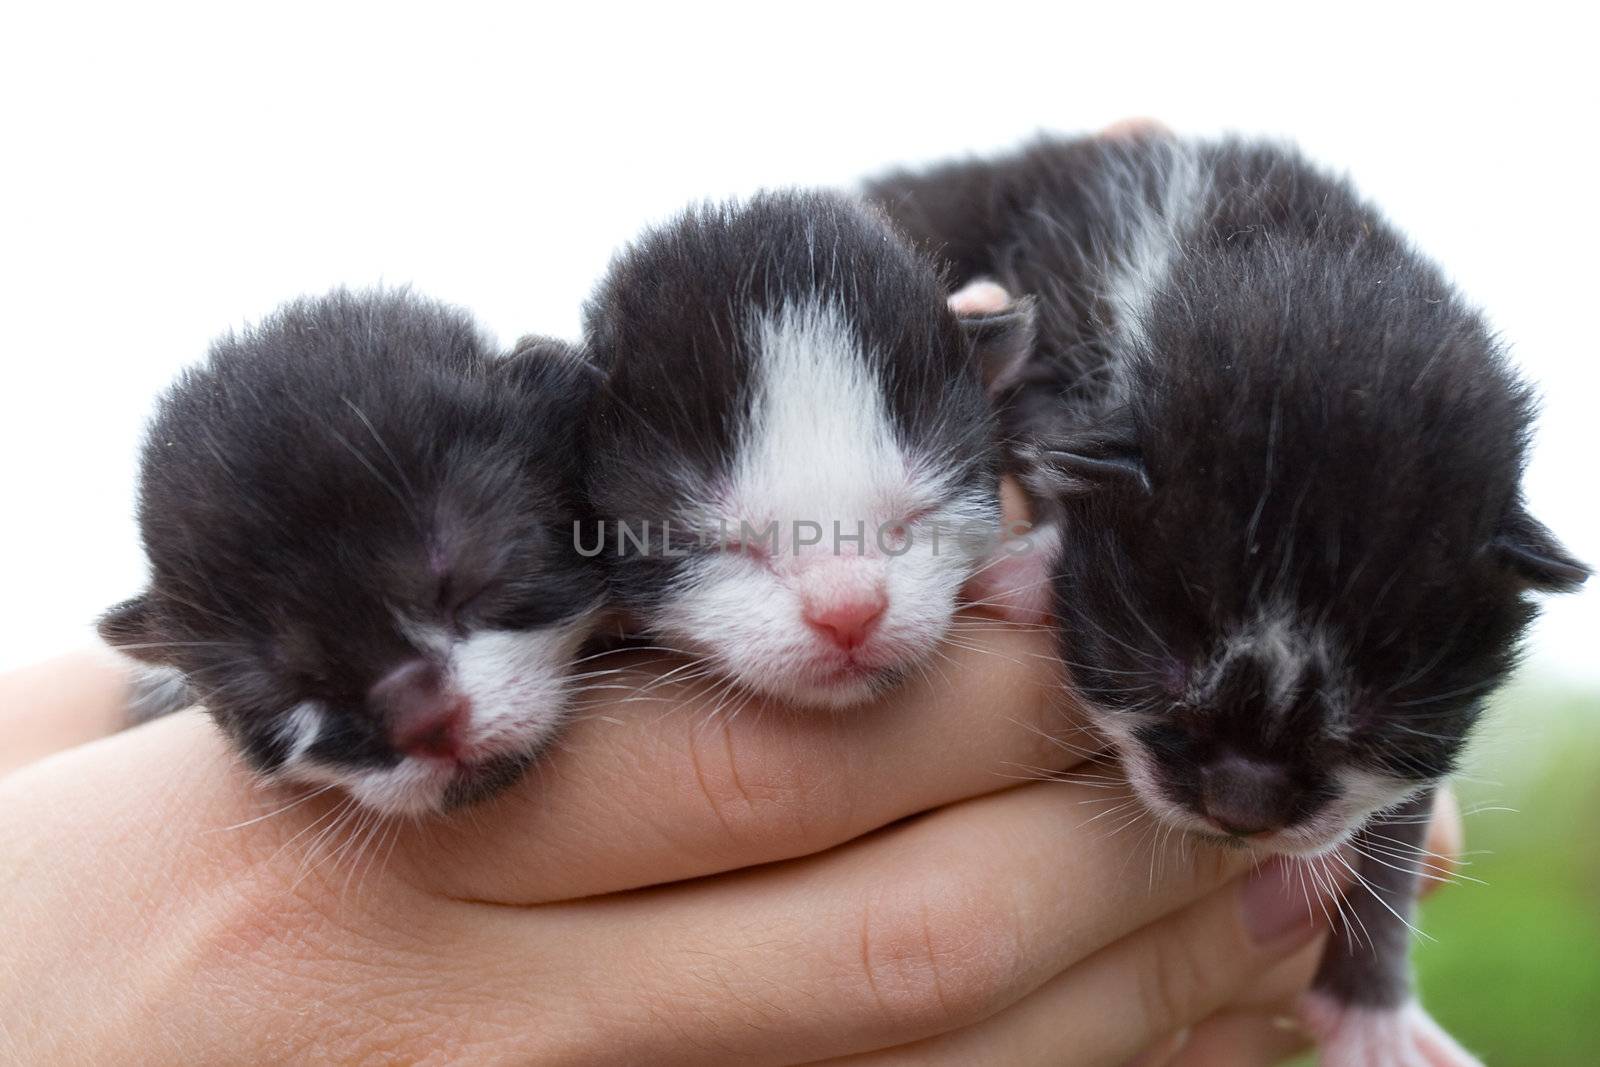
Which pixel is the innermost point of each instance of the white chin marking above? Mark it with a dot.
(518, 684)
(821, 448)
(842, 694)
(411, 787)
(519, 687)
(1357, 1036)
(1362, 794)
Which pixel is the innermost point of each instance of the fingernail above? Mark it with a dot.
(1276, 903)
(1288, 895)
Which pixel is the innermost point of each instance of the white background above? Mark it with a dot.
(170, 172)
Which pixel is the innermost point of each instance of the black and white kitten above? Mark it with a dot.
(358, 518)
(792, 446)
(1283, 458)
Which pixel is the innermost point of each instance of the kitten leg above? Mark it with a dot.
(1362, 1008)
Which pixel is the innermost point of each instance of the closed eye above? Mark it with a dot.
(900, 529)
(756, 551)
(456, 600)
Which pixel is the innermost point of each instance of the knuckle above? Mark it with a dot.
(939, 951)
(760, 795)
(1173, 981)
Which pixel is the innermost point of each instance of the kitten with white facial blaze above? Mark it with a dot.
(357, 516)
(792, 447)
(1283, 458)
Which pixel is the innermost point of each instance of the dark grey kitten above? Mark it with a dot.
(1282, 458)
(359, 518)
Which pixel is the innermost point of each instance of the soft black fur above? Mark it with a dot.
(668, 324)
(1305, 419)
(352, 456)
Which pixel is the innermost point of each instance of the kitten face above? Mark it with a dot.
(416, 677)
(827, 558)
(1285, 593)
(1288, 716)
(358, 525)
(1281, 732)
(790, 366)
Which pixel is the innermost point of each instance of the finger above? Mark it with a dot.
(1446, 838)
(1162, 1053)
(927, 927)
(1129, 999)
(1282, 983)
(1259, 1025)
(1128, 129)
(58, 704)
(1260, 1038)
(1014, 502)
(667, 785)
(929, 924)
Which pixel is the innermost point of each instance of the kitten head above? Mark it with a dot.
(794, 430)
(1296, 555)
(358, 525)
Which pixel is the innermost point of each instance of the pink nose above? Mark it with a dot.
(423, 715)
(846, 617)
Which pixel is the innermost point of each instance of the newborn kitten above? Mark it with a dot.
(1283, 458)
(358, 519)
(792, 447)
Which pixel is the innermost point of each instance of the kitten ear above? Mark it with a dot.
(1531, 551)
(1082, 461)
(1000, 329)
(132, 628)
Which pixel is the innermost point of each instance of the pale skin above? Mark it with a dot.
(148, 913)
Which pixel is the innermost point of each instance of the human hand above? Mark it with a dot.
(671, 886)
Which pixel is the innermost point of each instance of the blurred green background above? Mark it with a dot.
(1514, 970)
(1513, 967)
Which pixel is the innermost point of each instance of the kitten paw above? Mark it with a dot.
(1353, 1036)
